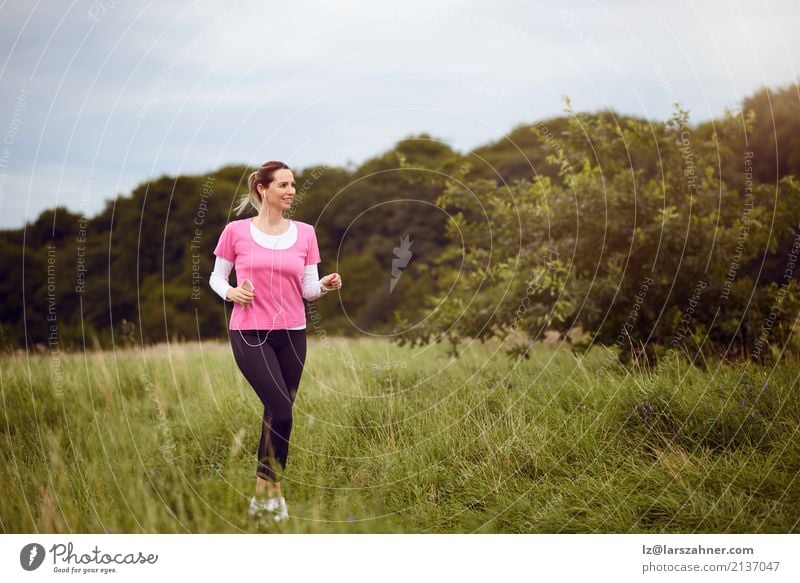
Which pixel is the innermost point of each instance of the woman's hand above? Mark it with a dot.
(240, 295)
(331, 281)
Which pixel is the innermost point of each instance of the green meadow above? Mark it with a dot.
(393, 439)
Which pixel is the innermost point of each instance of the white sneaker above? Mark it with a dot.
(259, 507)
(282, 513)
(274, 508)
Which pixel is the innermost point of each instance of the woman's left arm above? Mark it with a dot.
(312, 287)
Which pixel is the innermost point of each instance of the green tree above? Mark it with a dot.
(640, 229)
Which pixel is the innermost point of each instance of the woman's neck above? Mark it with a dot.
(270, 217)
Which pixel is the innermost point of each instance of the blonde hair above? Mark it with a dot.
(263, 176)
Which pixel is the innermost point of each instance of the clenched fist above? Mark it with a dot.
(331, 281)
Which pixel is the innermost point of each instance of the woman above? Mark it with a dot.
(276, 268)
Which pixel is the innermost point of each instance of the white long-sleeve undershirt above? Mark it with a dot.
(312, 287)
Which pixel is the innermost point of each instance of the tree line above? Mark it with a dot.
(611, 229)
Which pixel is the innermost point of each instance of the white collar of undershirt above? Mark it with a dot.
(282, 241)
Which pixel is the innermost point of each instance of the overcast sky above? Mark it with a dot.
(98, 96)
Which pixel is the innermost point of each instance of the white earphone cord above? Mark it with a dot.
(280, 306)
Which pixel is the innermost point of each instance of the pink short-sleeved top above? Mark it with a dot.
(277, 276)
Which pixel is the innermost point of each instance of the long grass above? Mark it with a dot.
(397, 439)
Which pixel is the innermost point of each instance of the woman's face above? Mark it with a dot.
(280, 192)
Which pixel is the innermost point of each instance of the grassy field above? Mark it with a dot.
(394, 439)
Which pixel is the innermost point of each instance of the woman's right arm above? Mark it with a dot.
(219, 283)
(219, 278)
(222, 269)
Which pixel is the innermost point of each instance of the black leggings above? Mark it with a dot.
(272, 362)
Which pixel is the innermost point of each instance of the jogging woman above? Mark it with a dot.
(276, 268)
